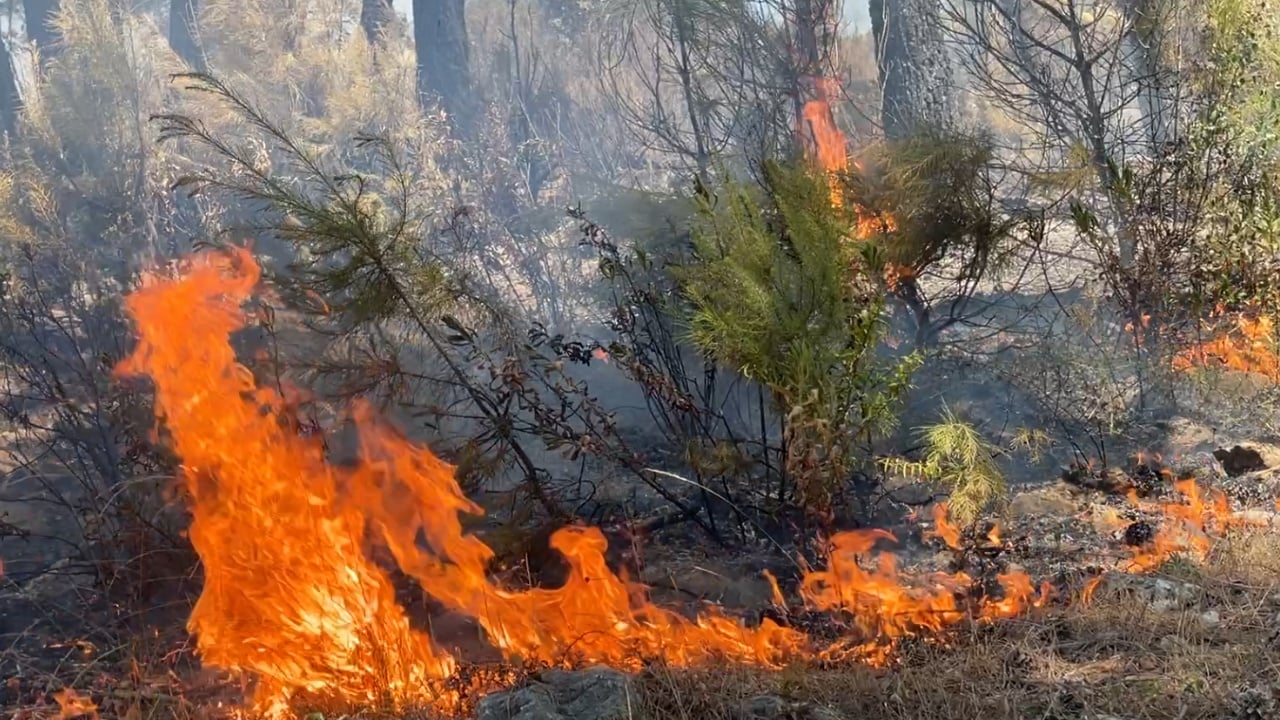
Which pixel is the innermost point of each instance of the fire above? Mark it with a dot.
(1249, 347)
(1187, 528)
(74, 705)
(827, 141)
(293, 598)
(826, 145)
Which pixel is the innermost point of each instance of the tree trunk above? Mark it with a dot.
(814, 26)
(10, 99)
(38, 15)
(440, 41)
(915, 76)
(375, 15)
(184, 36)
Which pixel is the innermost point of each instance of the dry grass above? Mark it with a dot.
(1115, 657)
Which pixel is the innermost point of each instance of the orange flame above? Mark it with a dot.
(826, 146)
(292, 597)
(72, 704)
(1250, 347)
(1187, 528)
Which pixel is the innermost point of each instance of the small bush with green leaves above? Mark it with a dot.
(956, 455)
(1239, 132)
(780, 292)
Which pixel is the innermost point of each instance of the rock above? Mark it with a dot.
(600, 693)
(1201, 466)
(1056, 500)
(1183, 435)
(535, 702)
(710, 582)
(1240, 460)
(1160, 594)
(1255, 518)
(772, 707)
(1210, 618)
(1112, 480)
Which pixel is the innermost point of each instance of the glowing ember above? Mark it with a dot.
(292, 596)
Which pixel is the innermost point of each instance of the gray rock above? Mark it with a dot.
(1160, 594)
(1202, 466)
(599, 693)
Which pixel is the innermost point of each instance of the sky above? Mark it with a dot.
(856, 15)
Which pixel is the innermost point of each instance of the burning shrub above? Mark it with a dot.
(780, 293)
(946, 229)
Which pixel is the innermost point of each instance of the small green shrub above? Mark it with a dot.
(780, 292)
(956, 455)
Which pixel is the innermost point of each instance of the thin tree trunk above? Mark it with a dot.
(814, 26)
(375, 15)
(915, 75)
(440, 42)
(10, 98)
(184, 36)
(38, 15)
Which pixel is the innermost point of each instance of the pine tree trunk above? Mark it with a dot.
(814, 27)
(183, 32)
(375, 15)
(915, 75)
(440, 41)
(10, 99)
(38, 15)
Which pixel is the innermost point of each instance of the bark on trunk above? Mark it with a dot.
(440, 41)
(184, 36)
(375, 15)
(915, 75)
(814, 28)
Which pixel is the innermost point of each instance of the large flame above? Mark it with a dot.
(827, 148)
(292, 597)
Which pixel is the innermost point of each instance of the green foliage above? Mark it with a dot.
(363, 245)
(937, 190)
(956, 455)
(779, 292)
(1239, 131)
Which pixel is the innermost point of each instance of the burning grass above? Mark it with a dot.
(1116, 657)
(1248, 344)
(293, 600)
(292, 597)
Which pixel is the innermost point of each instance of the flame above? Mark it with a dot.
(293, 598)
(1186, 528)
(827, 148)
(72, 704)
(944, 529)
(1249, 347)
